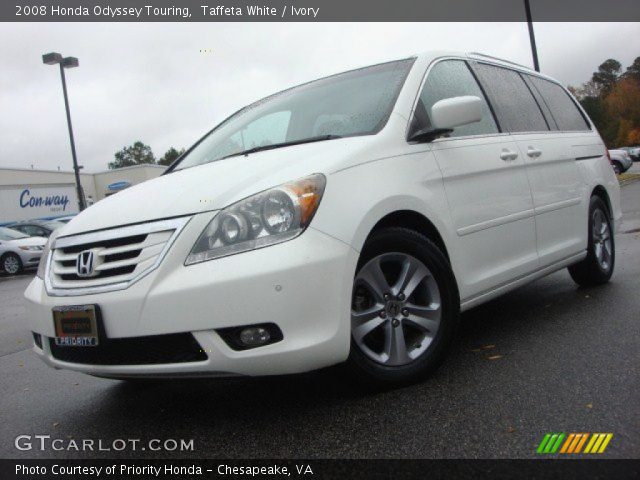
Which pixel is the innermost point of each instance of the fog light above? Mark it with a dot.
(254, 336)
(245, 337)
(37, 339)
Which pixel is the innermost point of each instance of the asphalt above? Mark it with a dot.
(549, 357)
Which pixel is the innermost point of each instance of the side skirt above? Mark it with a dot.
(518, 282)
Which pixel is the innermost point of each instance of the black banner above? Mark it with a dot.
(321, 469)
(317, 10)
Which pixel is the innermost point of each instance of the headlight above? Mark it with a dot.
(267, 218)
(45, 254)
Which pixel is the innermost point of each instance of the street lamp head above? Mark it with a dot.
(70, 62)
(52, 58)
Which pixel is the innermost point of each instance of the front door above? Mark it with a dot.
(486, 186)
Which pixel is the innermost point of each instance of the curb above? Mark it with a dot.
(629, 181)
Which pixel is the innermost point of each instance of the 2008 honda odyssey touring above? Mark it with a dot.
(349, 219)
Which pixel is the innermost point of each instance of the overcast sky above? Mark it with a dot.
(152, 82)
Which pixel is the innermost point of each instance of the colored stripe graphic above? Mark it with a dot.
(573, 443)
(543, 443)
(598, 442)
(567, 443)
(551, 442)
(581, 442)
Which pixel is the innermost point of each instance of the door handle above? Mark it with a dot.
(507, 154)
(533, 152)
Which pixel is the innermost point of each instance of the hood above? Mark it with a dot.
(215, 185)
(28, 242)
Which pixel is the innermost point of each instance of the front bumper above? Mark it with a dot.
(30, 258)
(303, 286)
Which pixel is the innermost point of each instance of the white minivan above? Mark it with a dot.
(347, 220)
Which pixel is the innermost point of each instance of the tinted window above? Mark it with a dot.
(562, 107)
(452, 78)
(33, 231)
(10, 234)
(512, 100)
(541, 103)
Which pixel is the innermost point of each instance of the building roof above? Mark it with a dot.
(35, 170)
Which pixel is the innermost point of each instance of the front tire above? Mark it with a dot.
(11, 263)
(597, 267)
(405, 309)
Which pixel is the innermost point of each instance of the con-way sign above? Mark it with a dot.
(28, 202)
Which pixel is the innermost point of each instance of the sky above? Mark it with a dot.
(167, 84)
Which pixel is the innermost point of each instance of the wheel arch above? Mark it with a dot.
(414, 221)
(600, 191)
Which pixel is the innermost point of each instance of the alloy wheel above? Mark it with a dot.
(396, 309)
(601, 235)
(11, 265)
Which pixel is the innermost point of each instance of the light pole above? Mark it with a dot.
(68, 62)
(532, 37)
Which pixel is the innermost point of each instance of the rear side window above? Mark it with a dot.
(541, 103)
(512, 100)
(563, 108)
(447, 79)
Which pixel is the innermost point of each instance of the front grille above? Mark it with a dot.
(120, 255)
(151, 350)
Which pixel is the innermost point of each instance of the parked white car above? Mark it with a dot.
(19, 251)
(620, 160)
(349, 219)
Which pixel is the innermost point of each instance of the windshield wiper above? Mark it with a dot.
(319, 138)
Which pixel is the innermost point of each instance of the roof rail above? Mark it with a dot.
(499, 59)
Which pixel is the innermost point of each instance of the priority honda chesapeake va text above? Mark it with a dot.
(347, 220)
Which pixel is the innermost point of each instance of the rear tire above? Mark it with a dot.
(11, 263)
(597, 267)
(404, 320)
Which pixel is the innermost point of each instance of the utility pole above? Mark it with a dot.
(532, 36)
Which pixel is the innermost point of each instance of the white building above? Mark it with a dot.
(27, 194)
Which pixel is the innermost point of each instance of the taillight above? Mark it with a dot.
(608, 156)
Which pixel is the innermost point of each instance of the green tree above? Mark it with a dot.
(633, 70)
(607, 75)
(170, 156)
(594, 106)
(136, 154)
(588, 89)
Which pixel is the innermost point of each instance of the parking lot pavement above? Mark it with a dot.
(549, 357)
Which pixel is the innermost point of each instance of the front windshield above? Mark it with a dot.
(353, 103)
(10, 234)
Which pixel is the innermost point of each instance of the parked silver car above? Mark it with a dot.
(37, 228)
(634, 152)
(620, 160)
(19, 251)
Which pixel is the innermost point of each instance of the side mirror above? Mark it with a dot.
(455, 112)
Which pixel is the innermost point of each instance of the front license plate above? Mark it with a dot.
(76, 326)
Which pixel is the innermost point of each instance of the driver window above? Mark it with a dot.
(452, 78)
